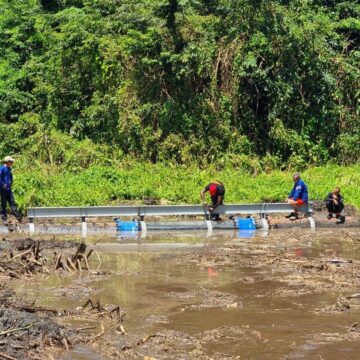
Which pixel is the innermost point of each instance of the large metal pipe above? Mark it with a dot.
(161, 210)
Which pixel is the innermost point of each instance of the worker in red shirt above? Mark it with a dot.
(217, 193)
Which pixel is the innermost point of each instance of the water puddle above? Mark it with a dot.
(221, 296)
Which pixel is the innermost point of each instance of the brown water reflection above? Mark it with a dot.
(231, 309)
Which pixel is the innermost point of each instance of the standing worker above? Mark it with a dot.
(217, 193)
(297, 197)
(335, 205)
(7, 196)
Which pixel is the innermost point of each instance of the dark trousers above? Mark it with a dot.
(334, 209)
(215, 217)
(7, 196)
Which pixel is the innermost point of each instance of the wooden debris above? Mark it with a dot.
(5, 356)
(340, 261)
(86, 328)
(354, 296)
(64, 340)
(71, 263)
(32, 262)
(15, 329)
(58, 261)
(34, 309)
(99, 335)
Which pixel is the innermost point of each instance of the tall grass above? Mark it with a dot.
(132, 181)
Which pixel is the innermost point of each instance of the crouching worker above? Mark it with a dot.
(6, 180)
(297, 197)
(335, 205)
(217, 193)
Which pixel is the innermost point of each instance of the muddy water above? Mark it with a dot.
(225, 308)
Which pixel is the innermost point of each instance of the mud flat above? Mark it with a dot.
(284, 300)
(288, 295)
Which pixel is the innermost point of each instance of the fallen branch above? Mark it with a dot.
(71, 264)
(64, 340)
(140, 342)
(79, 265)
(36, 250)
(86, 328)
(339, 261)
(5, 255)
(65, 266)
(99, 335)
(34, 309)
(13, 274)
(121, 330)
(354, 296)
(35, 261)
(89, 301)
(85, 260)
(8, 357)
(21, 254)
(58, 262)
(96, 253)
(80, 250)
(290, 260)
(15, 329)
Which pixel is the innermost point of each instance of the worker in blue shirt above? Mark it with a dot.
(7, 196)
(297, 197)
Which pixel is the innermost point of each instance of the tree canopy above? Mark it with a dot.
(183, 80)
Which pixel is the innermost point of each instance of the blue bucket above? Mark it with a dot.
(246, 234)
(246, 224)
(121, 235)
(127, 225)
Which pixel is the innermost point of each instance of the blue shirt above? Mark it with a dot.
(299, 191)
(6, 178)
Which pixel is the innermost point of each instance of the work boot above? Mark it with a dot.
(216, 217)
(290, 215)
(329, 216)
(295, 216)
(340, 219)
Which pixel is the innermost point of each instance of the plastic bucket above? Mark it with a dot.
(127, 225)
(127, 235)
(246, 224)
(246, 234)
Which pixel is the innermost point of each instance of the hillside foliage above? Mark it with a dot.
(258, 84)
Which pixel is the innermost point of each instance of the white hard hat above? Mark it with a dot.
(8, 159)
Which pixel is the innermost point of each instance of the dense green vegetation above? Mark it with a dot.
(187, 80)
(162, 89)
(99, 185)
